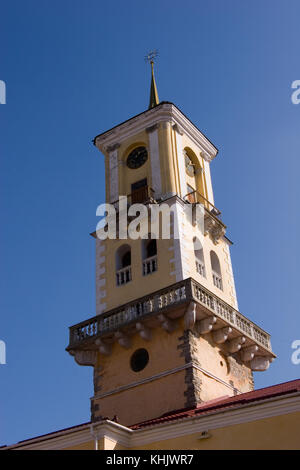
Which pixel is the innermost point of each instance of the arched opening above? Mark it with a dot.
(216, 270)
(194, 177)
(199, 257)
(149, 255)
(123, 265)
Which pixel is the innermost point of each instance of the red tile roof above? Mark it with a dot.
(225, 402)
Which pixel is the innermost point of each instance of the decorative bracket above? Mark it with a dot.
(190, 316)
(206, 325)
(249, 353)
(85, 358)
(221, 335)
(123, 339)
(144, 332)
(236, 344)
(166, 323)
(260, 363)
(104, 348)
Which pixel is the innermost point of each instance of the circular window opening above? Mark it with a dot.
(139, 360)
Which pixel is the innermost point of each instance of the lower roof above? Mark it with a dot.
(220, 404)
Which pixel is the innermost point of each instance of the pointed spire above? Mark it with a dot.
(154, 101)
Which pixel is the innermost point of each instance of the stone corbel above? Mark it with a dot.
(144, 332)
(178, 129)
(236, 344)
(206, 325)
(190, 316)
(123, 339)
(221, 335)
(166, 323)
(260, 363)
(104, 348)
(85, 358)
(215, 229)
(247, 354)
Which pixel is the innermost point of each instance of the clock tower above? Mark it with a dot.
(167, 333)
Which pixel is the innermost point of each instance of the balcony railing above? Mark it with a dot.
(82, 335)
(150, 265)
(142, 195)
(195, 197)
(200, 268)
(217, 280)
(123, 275)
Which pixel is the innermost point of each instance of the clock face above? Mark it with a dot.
(137, 157)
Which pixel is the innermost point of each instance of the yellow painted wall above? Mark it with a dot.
(279, 432)
(146, 400)
(140, 285)
(152, 399)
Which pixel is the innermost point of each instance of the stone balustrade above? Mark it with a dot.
(158, 304)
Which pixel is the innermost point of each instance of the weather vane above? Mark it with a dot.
(151, 56)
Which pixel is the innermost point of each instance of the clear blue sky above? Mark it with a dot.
(74, 69)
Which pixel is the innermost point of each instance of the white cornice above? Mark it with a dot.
(166, 112)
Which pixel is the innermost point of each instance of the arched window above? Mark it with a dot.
(199, 257)
(149, 255)
(123, 265)
(216, 270)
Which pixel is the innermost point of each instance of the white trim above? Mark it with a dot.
(210, 194)
(181, 164)
(155, 163)
(166, 112)
(113, 175)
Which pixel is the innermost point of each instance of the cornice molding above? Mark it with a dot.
(166, 112)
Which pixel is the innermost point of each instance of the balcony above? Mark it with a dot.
(200, 268)
(162, 309)
(217, 280)
(149, 265)
(213, 224)
(143, 195)
(123, 276)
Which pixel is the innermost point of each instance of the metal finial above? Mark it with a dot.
(151, 56)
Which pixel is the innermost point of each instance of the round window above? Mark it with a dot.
(139, 360)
